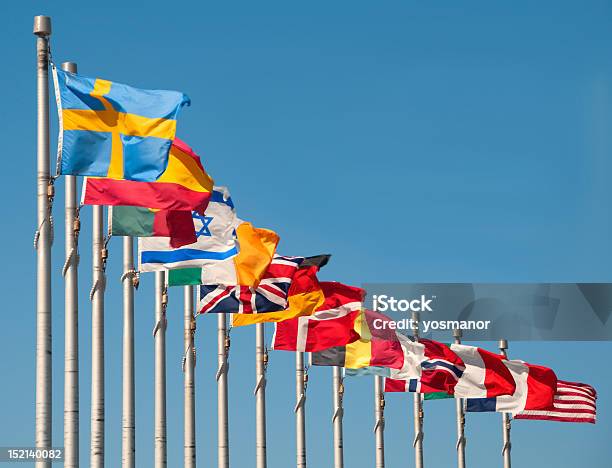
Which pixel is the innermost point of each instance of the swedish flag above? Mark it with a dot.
(113, 130)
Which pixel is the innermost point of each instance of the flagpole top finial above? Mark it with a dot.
(69, 67)
(503, 344)
(42, 26)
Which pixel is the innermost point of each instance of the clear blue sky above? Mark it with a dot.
(415, 142)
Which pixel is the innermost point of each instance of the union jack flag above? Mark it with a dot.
(269, 296)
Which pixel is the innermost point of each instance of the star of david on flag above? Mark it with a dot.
(205, 220)
(216, 239)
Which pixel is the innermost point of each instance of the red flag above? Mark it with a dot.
(332, 324)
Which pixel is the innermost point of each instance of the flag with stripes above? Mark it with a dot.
(377, 349)
(270, 295)
(573, 402)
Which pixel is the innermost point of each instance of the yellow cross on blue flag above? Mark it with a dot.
(113, 130)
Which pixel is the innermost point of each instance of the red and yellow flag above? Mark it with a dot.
(184, 185)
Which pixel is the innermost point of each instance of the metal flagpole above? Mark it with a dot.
(503, 346)
(96, 295)
(159, 333)
(189, 379)
(223, 346)
(71, 317)
(418, 411)
(301, 380)
(459, 402)
(379, 414)
(42, 242)
(338, 389)
(261, 361)
(128, 418)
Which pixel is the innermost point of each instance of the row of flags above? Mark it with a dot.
(123, 140)
(486, 381)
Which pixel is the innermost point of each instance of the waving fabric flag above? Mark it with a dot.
(485, 374)
(135, 221)
(438, 372)
(305, 296)
(535, 389)
(573, 402)
(377, 349)
(459, 370)
(413, 385)
(112, 130)
(215, 233)
(333, 324)
(256, 247)
(184, 185)
(270, 294)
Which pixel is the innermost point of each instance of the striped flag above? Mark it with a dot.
(376, 350)
(256, 250)
(215, 232)
(573, 402)
(184, 185)
(269, 295)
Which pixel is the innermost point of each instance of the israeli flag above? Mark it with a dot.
(216, 239)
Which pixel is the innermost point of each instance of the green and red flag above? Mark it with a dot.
(145, 222)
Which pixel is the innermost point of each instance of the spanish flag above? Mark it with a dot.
(184, 185)
(113, 130)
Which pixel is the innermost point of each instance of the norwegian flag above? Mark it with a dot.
(269, 296)
(459, 370)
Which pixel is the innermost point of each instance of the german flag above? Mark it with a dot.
(375, 347)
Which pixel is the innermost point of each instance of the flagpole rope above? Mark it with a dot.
(339, 413)
(461, 440)
(191, 348)
(48, 217)
(162, 322)
(225, 366)
(73, 256)
(99, 285)
(380, 422)
(508, 445)
(420, 435)
(133, 275)
(69, 261)
(261, 382)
